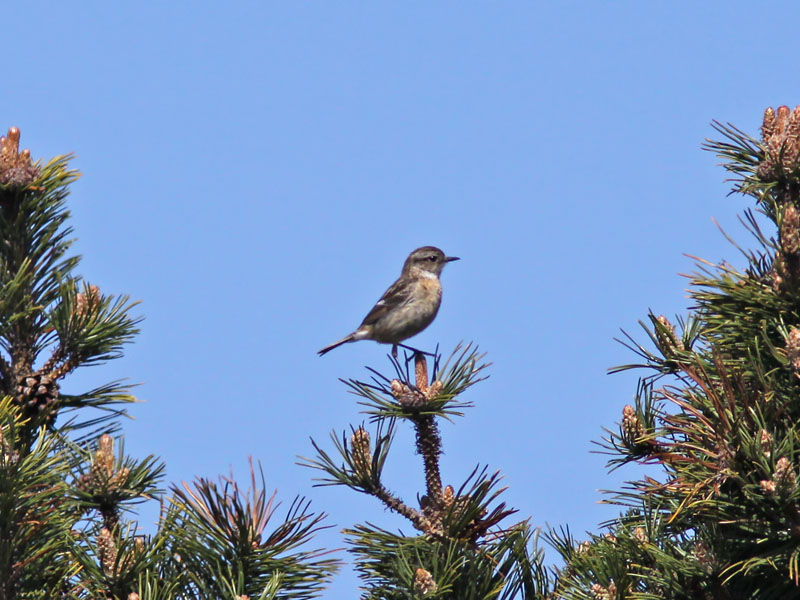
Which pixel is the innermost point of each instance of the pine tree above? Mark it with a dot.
(716, 415)
(463, 548)
(65, 492)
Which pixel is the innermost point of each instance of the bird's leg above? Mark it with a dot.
(414, 350)
(394, 351)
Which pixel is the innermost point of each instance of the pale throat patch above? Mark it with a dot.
(427, 274)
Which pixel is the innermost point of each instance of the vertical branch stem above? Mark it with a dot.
(429, 442)
(429, 445)
(421, 371)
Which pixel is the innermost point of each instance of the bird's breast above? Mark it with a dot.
(430, 289)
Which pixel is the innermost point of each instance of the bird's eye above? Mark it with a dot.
(432, 258)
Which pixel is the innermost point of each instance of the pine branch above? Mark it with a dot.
(463, 552)
(34, 522)
(717, 413)
(220, 533)
(418, 520)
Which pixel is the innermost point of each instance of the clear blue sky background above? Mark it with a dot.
(256, 173)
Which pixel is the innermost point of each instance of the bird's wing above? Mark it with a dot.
(397, 295)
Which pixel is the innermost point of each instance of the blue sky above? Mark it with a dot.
(256, 173)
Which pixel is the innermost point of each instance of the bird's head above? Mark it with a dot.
(427, 259)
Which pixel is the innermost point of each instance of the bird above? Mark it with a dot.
(408, 306)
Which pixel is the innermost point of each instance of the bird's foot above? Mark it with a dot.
(410, 349)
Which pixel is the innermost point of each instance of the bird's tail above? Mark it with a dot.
(344, 340)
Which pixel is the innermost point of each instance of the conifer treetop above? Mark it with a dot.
(717, 514)
(51, 320)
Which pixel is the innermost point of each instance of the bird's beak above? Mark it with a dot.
(451, 258)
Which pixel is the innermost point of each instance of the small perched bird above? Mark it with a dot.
(408, 306)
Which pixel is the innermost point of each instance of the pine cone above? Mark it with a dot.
(37, 395)
(424, 584)
(780, 135)
(106, 549)
(406, 397)
(793, 350)
(103, 479)
(16, 168)
(631, 426)
(362, 454)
